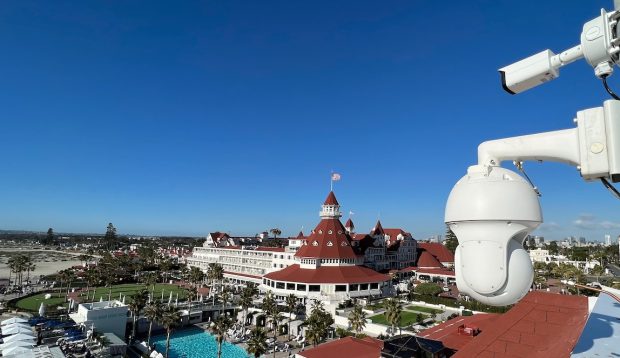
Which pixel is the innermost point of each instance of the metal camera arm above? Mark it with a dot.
(593, 147)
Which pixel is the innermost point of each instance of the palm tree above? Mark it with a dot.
(257, 344)
(138, 301)
(291, 305)
(275, 231)
(62, 277)
(152, 312)
(169, 319)
(192, 292)
(357, 319)
(92, 277)
(219, 328)
(246, 299)
(215, 273)
(196, 275)
(318, 322)
(70, 277)
(30, 267)
(270, 308)
(393, 310)
(225, 297)
(165, 266)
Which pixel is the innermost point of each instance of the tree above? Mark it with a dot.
(246, 299)
(553, 248)
(428, 288)
(319, 322)
(196, 275)
(393, 310)
(270, 308)
(275, 231)
(165, 266)
(192, 292)
(225, 296)
(291, 305)
(219, 328)
(138, 301)
(110, 236)
(169, 319)
(49, 237)
(357, 319)
(257, 344)
(215, 272)
(597, 270)
(451, 241)
(153, 312)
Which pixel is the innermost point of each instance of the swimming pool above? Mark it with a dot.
(195, 343)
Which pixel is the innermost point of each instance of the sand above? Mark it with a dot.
(47, 261)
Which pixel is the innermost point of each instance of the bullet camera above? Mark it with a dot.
(491, 210)
(599, 45)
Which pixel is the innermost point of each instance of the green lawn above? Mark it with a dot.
(406, 318)
(423, 309)
(34, 302)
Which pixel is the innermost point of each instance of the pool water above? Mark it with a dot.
(195, 343)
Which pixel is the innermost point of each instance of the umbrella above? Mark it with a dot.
(13, 320)
(101, 299)
(170, 298)
(19, 337)
(42, 310)
(15, 330)
(16, 350)
(16, 344)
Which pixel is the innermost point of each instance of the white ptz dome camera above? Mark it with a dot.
(491, 210)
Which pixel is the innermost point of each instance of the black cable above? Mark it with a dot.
(609, 90)
(611, 188)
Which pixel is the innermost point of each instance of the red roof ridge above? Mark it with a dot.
(378, 229)
(331, 199)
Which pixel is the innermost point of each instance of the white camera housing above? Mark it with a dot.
(491, 210)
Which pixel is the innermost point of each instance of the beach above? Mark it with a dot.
(47, 261)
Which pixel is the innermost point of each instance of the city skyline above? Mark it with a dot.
(208, 116)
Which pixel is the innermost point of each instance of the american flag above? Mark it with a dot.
(335, 176)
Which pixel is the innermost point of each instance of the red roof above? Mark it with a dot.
(378, 229)
(328, 274)
(331, 199)
(440, 251)
(328, 240)
(269, 248)
(541, 325)
(241, 274)
(349, 224)
(426, 260)
(449, 335)
(346, 347)
(393, 233)
(434, 271)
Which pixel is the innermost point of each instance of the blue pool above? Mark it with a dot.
(195, 343)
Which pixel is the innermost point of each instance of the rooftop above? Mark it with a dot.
(328, 274)
(346, 347)
(448, 332)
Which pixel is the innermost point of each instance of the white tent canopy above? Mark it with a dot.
(19, 337)
(11, 325)
(15, 330)
(4, 346)
(16, 350)
(13, 320)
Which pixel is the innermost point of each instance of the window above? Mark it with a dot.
(341, 288)
(315, 243)
(280, 285)
(363, 286)
(329, 232)
(339, 232)
(329, 243)
(314, 288)
(353, 287)
(290, 286)
(344, 243)
(374, 286)
(320, 231)
(301, 287)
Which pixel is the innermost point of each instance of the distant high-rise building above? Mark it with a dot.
(607, 240)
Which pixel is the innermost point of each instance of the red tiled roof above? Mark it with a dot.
(269, 248)
(440, 251)
(241, 274)
(426, 260)
(378, 229)
(346, 347)
(541, 325)
(358, 237)
(331, 199)
(328, 240)
(393, 233)
(448, 334)
(435, 271)
(349, 224)
(327, 274)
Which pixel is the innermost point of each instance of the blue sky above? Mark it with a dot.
(190, 117)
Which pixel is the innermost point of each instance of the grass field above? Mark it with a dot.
(423, 309)
(406, 318)
(34, 302)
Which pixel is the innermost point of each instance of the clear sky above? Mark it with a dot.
(195, 116)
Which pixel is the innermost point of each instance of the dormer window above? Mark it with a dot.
(315, 243)
(329, 243)
(320, 232)
(329, 232)
(344, 243)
